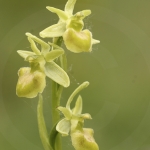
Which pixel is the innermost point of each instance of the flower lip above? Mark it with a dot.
(30, 83)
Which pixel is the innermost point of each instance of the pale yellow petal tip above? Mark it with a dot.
(86, 83)
(47, 7)
(28, 34)
(95, 41)
(42, 34)
(68, 84)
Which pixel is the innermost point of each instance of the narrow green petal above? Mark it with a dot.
(69, 7)
(34, 47)
(45, 47)
(55, 46)
(50, 56)
(82, 14)
(41, 124)
(85, 116)
(56, 73)
(81, 117)
(95, 41)
(25, 54)
(63, 127)
(76, 91)
(62, 15)
(66, 112)
(55, 30)
(78, 106)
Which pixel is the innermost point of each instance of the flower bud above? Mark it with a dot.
(78, 41)
(83, 139)
(30, 83)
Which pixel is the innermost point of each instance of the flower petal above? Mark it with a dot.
(25, 54)
(55, 30)
(76, 91)
(69, 7)
(63, 127)
(78, 106)
(85, 116)
(56, 73)
(50, 56)
(34, 47)
(82, 14)
(66, 112)
(62, 15)
(45, 47)
(95, 41)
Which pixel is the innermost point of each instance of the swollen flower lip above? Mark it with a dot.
(82, 139)
(30, 83)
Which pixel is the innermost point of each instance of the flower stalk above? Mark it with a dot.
(48, 60)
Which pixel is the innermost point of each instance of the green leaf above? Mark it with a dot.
(41, 124)
(53, 136)
(62, 15)
(56, 73)
(76, 91)
(63, 127)
(50, 56)
(25, 54)
(78, 106)
(45, 47)
(70, 6)
(55, 30)
(66, 112)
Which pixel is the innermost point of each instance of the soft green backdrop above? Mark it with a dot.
(118, 70)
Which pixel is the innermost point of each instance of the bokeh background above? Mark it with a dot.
(118, 70)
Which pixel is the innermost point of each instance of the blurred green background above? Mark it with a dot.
(118, 70)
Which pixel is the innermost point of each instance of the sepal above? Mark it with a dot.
(57, 74)
(61, 14)
(50, 56)
(69, 7)
(25, 54)
(66, 112)
(63, 127)
(55, 30)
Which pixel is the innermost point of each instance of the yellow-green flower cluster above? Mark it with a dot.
(70, 27)
(32, 79)
(82, 138)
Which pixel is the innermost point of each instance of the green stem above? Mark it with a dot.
(55, 103)
(55, 113)
(56, 96)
